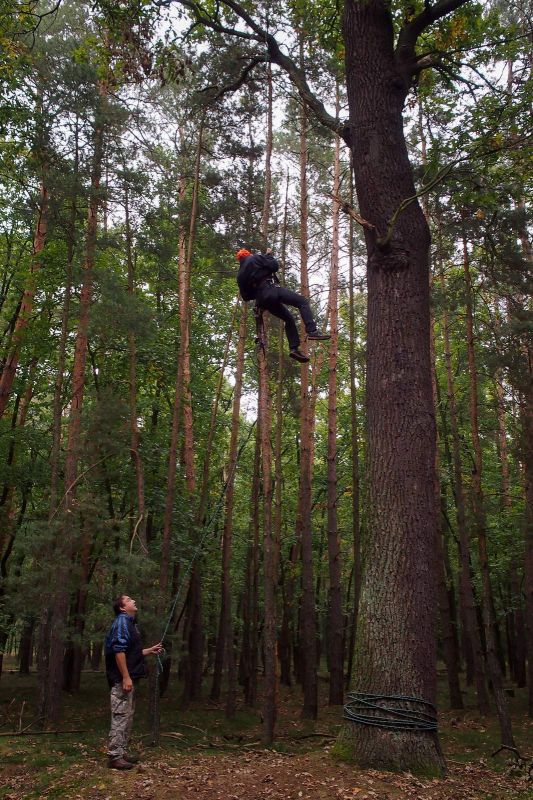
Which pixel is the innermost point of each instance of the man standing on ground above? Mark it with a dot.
(124, 662)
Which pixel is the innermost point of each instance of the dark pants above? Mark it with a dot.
(271, 298)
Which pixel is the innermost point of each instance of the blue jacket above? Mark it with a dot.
(124, 637)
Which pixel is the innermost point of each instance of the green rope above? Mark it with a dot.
(400, 713)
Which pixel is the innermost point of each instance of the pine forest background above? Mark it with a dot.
(140, 148)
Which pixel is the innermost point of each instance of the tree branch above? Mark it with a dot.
(406, 45)
(233, 87)
(276, 56)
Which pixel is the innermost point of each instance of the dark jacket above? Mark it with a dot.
(124, 637)
(253, 270)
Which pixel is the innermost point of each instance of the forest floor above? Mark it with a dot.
(205, 757)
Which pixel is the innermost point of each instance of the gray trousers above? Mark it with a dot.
(122, 710)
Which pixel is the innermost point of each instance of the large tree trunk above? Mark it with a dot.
(396, 652)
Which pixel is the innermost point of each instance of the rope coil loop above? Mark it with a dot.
(391, 712)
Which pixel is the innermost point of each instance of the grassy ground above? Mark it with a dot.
(202, 755)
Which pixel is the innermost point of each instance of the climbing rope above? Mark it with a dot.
(260, 336)
(400, 713)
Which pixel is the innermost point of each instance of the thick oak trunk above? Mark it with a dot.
(396, 650)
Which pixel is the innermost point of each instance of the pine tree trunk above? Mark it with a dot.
(334, 618)
(139, 530)
(264, 414)
(527, 449)
(396, 652)
(174, 434)
(354, 431)
(26, 646)
(450, 651)
(466, 592)
(304, 533)
(249, 655)
(269, 547)
(231, 698)
(225, 595)
(193, 678)
(26, 306)
(479, 513)
(52, 704)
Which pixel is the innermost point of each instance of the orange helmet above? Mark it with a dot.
(242, 254)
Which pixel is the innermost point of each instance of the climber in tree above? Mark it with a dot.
(258, 281)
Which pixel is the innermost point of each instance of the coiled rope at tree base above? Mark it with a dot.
(391, 712)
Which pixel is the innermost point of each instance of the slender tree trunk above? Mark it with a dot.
(284, 640)
(25, 309)
(228, 521)
(174, 435)
(193, 678)
(334, 617)
(139, 529)
(450, 651)
(527, 448)
(304, 533)
(517, 633)
(270, 556)
(225, 593)
(26, 646)
(479, 513)
(52, 707)
(249, 654)
(269, 549)
(354, 431)
(468, 605)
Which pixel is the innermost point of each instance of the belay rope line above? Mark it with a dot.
(400, 713)
(207, 529)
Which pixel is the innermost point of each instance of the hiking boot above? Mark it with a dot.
(297, 354)
(119, 763)
(131, 759)
(318, 336)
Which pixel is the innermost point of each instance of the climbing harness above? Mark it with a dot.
(400, 713)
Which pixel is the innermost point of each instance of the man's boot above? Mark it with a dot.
(119, 763)
(297, 354)
(318, 336)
